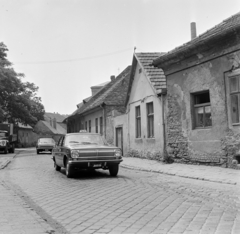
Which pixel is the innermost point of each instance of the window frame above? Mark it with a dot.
(96, 125)
(201, 105)
(89, 126)
(138, 121)
(234, 93)
(101, 125)
(150, 120)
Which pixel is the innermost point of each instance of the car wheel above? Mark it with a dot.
(69, 170)
(113, 170)
(6, 150)
(13, 149)
(37, 151)
(57, 168)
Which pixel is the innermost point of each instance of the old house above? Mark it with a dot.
(50, 128)
(141, 127)
(96, 113)
(74, 120)
(203, 104)
(25, 136)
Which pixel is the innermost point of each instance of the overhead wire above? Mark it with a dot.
(76, 59)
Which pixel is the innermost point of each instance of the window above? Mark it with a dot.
(138, 122)
(96, 125)
(202, 110)
(89, 125)
(86, 125)
(150, 120)
(101, 125)
(234, 83)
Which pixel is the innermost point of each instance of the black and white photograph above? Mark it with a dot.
(120, 117)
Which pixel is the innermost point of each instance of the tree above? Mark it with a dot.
(18, 100)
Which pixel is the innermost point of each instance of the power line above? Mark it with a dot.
(76, 59)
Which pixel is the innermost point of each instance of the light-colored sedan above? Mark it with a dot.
(45, 145)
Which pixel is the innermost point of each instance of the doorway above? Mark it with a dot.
(119, 138)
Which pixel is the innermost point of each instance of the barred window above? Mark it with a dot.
(138, 122)
(150, 120)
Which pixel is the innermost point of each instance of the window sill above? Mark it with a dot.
(207, 128)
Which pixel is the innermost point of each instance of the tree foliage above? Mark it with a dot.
(18, 100)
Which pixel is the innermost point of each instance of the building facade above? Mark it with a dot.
(203, 80)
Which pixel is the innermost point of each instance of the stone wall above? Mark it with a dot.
(177, 143)
(231, 147)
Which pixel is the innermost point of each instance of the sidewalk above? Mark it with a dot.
(16, 216)
(199, 172)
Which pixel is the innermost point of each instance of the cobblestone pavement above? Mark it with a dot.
(17, 217)
(134, 202)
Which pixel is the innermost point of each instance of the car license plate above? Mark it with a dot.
(97, 165)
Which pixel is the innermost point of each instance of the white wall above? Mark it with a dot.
(142, 93)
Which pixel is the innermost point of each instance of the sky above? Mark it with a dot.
(66, 46)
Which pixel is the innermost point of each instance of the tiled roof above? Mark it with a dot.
(227, 26)
(155, 75)
(58, 130)
(24, 126)
(113, 93)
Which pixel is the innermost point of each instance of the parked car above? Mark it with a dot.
(85, 150)
(45, 144)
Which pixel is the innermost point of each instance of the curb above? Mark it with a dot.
(7, 162)
(174, 174)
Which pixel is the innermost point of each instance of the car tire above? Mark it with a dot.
(38, 151)
(57, 168)
(6, 150)
(68, 170)
(113, 170)
(13, 149)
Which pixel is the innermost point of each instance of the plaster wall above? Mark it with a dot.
(184, 140)
(92, 117)
(142, 93)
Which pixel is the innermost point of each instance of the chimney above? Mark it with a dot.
(112, 78)
(193, 30)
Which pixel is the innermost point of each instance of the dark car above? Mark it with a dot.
(86, 151)
(45, 145)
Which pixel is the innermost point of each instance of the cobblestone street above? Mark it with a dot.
(134, 202)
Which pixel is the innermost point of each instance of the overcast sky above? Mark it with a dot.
(67, 46)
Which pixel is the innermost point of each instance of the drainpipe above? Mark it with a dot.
(163, 95)
(104, 119)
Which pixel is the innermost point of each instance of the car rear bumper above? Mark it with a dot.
(44, 148)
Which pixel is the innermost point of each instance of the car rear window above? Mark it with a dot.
(46, 140)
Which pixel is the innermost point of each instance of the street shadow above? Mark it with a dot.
(86, 174)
